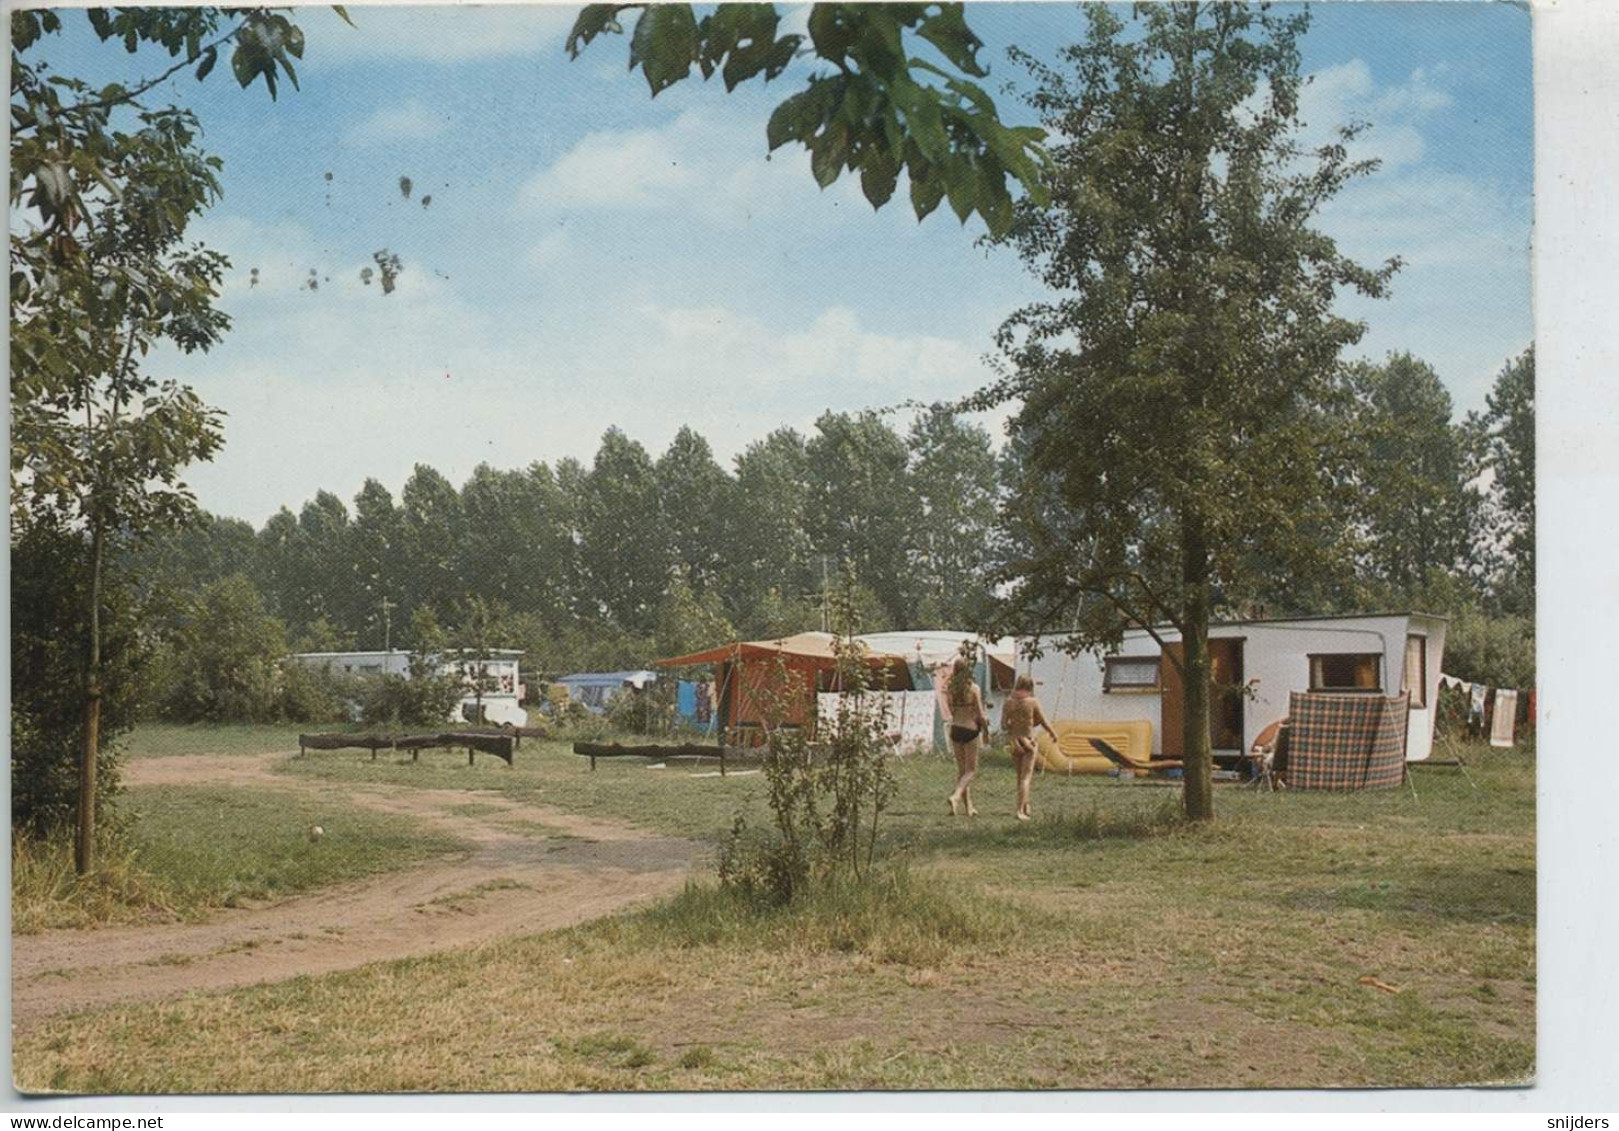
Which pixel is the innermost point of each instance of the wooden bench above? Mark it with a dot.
(683, 752)
(500, 745)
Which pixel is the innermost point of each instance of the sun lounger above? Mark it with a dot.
(1124, 762)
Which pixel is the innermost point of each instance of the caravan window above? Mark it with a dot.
(1416, 671)
(1347, 671)
(1130, 673)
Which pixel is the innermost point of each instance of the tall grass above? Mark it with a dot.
(888, 915)
(1134, 823)
(1159, 817)
(46, 892)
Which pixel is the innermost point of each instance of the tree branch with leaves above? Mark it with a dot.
(103, 190)
(877, 107)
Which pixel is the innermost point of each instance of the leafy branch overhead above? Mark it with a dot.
(880, 110)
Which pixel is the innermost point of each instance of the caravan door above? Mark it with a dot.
(1225, 700)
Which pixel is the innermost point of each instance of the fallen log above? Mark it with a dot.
(688, 750)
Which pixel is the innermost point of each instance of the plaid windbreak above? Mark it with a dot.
(1344, 742)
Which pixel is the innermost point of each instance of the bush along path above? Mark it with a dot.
(526, 868)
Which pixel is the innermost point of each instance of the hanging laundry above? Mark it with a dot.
(1477, 721)
(686, 700)
(1452, 681)
(1506, 718)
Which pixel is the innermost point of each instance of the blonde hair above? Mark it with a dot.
(961, 684)
(1025, 683)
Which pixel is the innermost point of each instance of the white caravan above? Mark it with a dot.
(1371, 654)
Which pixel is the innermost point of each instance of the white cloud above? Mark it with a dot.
(1430, 219)
(550, 249)
(326, 388)
(721, 347)
(443, 33)
(1461, 298)
(1338, 95)
(620, 170)
(694, 165)
(342, 325)
(408, 121)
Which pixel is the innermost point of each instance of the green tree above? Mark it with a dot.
(275, 570)
(776, 614)
(699, 501)
(101, 273)
(860, 506)
(768, 551)
(953, 474)
(326, 579)
(474, 648)
(50, 585)
(571, 477)
(1510, 426)
(875, 109)
(689, 620)
(1176, 390)
(431, 520)
(626, 557)
(323, 636)
(491, 548)
(224, 658)
(1418, 509)
(377, 551)
(1498, 650)
(427, 696)
(205, 549)
(517, 544)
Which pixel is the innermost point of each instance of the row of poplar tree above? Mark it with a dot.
(634, 556)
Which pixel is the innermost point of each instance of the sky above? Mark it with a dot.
(593, 257)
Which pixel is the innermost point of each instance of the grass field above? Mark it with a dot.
(1101, 946)
(191, 849)
(170, 740)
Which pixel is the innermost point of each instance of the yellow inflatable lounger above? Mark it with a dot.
(1073, 753)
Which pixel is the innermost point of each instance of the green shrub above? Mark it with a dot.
(1498, 651)
(221, 661)
(649, 711)
(49, 648)
(422, 698)
(826, 797)
(310, 694)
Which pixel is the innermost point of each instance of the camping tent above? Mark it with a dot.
(595, 690)
(763, 683)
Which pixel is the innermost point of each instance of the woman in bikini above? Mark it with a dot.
(1019, 717)
(967, 726)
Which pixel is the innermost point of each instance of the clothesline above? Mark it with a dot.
(1502, 702)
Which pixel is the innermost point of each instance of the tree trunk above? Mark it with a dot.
(1198, 748)
(84, 847)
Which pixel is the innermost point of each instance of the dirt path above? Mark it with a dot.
(530, 868)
